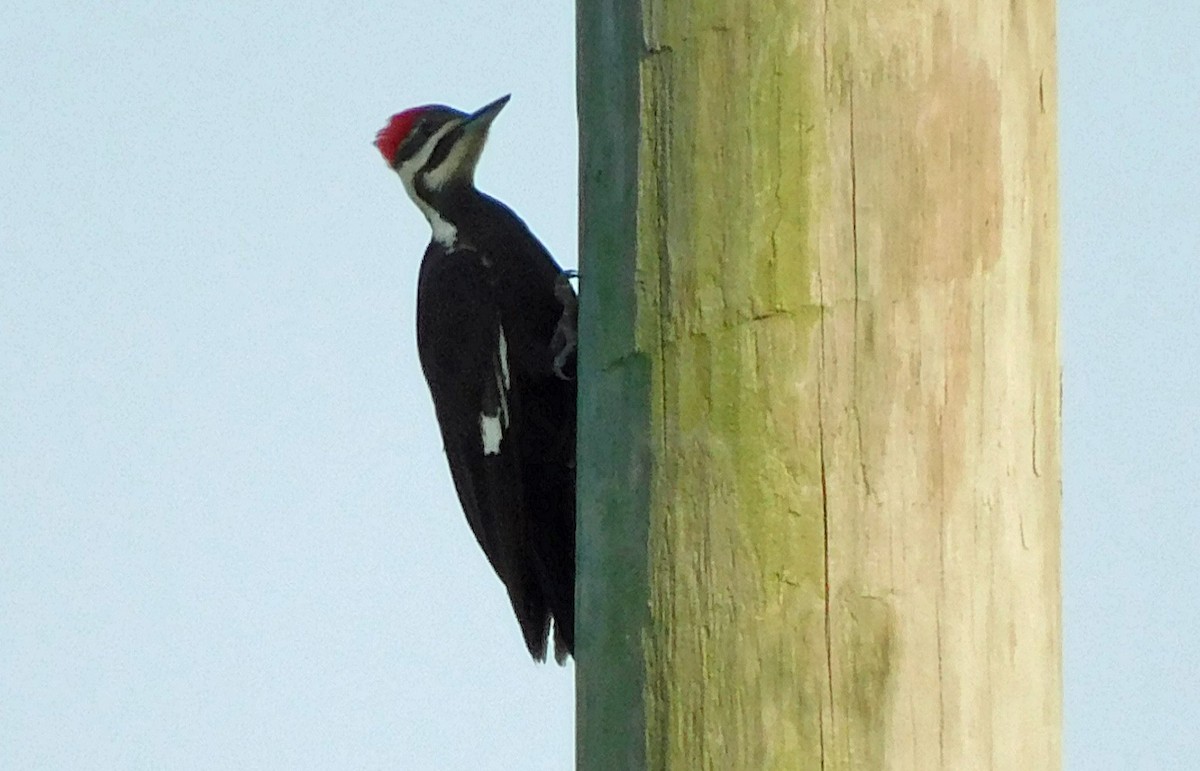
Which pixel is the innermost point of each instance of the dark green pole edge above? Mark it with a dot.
(614, 454)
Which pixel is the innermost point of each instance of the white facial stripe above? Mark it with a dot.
(409, 168)
(437, 178)
(443, 232)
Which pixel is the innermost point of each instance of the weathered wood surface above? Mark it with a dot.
(820, 416)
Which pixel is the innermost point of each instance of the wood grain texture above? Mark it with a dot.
(820, 416)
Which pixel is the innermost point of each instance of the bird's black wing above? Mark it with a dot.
(547, 438)
(470, 370)
(540, 314)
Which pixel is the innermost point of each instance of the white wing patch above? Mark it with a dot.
(491, 426)
(502, 346)
(492, 432)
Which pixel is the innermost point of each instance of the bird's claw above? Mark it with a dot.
(563, 344)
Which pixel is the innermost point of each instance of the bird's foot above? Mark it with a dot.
(563, 344)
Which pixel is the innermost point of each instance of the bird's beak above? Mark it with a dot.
(469, 147)
(481, 119)
(459, 164)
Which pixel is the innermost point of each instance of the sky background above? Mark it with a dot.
(227, 534)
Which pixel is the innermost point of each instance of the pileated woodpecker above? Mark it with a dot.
(496, 338)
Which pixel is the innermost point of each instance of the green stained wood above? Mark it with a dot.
(616, 450)
(819, 417)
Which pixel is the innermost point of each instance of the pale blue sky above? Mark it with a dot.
(227, 534)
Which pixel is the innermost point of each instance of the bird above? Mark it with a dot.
(495, 320)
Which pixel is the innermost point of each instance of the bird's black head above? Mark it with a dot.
(436, 148)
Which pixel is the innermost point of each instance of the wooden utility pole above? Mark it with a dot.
(820, 407)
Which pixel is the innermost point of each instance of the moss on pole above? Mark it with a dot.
(820, 413)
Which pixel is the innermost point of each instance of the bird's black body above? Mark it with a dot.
(488, 309)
